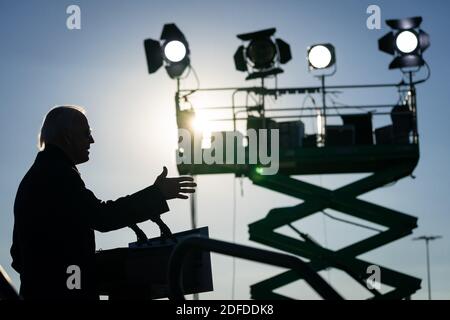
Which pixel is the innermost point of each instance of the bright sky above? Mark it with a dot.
(102, 67)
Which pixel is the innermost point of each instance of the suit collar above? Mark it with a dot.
(53, 152)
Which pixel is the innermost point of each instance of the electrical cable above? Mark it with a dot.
(307, 96)
(350, 222)
(197, 80)
(325, 233)
(358, 277)
(415, 71)
(427, 77)
(187, 74)
(341, 104)
(234, 240)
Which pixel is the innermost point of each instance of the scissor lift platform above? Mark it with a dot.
(323, 160)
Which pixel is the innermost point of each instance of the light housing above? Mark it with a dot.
(263, 54)
(321, 56)
(172, 50)
(406, 42)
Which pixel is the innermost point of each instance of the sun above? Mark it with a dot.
(200, 123)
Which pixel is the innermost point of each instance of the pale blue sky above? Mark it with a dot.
(102, 67)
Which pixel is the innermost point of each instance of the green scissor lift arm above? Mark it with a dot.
(345, 200)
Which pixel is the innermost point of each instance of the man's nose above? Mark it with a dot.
(91, 139)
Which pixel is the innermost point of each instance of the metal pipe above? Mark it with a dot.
(187, 246)
(299, 89)
(299, 108)
(323, 121)
(301, 116)
(428, 269)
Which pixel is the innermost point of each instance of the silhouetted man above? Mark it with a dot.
(56, 215)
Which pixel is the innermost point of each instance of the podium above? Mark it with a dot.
(140, 271)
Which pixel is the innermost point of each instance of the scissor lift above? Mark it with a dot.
(386, 162)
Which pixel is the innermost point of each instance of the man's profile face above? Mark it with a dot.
(79, 140)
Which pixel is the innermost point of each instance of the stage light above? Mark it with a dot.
(175, 51)
(407, 42)
(262, 56)
(261, 52)
(172, 50)
(321, 56)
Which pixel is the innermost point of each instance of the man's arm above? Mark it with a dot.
(138, 207)
(110, 215)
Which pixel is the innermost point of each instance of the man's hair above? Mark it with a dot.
(57, 122)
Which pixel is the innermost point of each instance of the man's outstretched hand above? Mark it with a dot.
(172, 188)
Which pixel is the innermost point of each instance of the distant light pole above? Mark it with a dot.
(427, 239)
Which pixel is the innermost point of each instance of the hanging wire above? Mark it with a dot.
(307, 96)
(233, 284)
(428, 74)
(197, 80)
(325, 234)
(416, 71)
(337, 104)
(273, 97)
(187, 74)
(276, 85)
(350, 222)
(335, 107)
(234, 241)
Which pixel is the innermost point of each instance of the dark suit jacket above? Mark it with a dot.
(55, 218)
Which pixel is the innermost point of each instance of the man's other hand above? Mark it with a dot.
(172, 188)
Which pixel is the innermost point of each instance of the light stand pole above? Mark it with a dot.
(193, 197)
(428, 239)
(412, 101)
(323, 114)
(324, 106)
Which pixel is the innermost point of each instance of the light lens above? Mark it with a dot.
(175, 51)
(319, 57)
(406, 42)
(261, 52)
